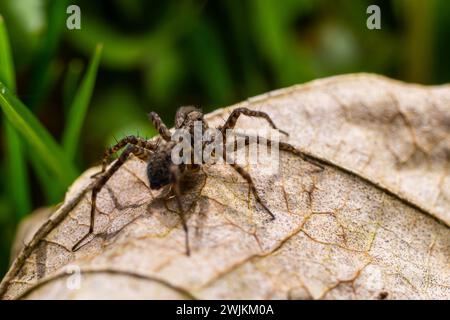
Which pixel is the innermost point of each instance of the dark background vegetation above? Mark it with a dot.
(159, 55)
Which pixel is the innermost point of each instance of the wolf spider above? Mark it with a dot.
(160, 169)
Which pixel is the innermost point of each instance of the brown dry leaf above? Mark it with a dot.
(372, 224)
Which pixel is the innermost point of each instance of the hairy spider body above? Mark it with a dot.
(159, 166)
(161, 170)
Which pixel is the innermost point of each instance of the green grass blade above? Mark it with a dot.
(6, 62)
(17, 177)
(17, 174)
(78, 109)
(71, 82)
(44, 146)
(41, 72)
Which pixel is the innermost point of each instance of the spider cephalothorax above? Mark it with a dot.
(161, 170)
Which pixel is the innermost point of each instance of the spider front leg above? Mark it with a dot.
(234, 116)
(244, 174)
(160, 126)
(176, 189)
(132, 140)
(139, 152)
(285, 147)
(282, 146)
(290, 148)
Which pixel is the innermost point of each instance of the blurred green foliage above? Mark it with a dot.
(160, 55)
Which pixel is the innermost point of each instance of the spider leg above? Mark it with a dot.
(290, 148)
(132, 140)
(234, 116)
(285, 147)
(160, 126)
(182, 114)
(177, 192)
(244, 174)
(139, 152)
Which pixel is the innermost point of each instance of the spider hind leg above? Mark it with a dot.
(139, 152)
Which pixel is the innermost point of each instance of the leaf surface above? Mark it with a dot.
(374, 223)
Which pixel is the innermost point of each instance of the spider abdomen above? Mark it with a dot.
(159, 170)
